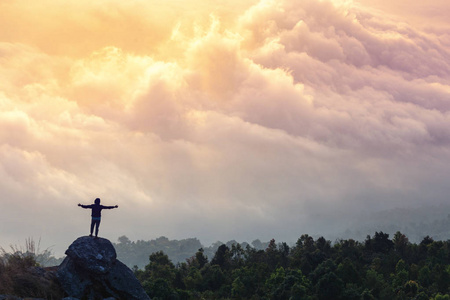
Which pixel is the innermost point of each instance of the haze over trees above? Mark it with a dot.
(378, 268)
(136, 253)
(415, 223)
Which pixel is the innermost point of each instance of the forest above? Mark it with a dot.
(377, 268)
(136, 253)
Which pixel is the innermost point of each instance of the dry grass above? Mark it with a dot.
(21, 274)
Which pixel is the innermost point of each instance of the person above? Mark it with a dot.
(96, 214)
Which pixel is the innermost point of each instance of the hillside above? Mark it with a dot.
(380, 267)
(137, 253)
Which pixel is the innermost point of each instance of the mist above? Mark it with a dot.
(257, 120)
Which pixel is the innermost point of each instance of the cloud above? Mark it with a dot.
(235, 121)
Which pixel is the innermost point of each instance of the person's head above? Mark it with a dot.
(97, 201)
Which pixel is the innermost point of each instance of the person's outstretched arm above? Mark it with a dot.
(110, 207)
(84, 206)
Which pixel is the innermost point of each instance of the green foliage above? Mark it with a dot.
(329, 286)
(401, 275)
(442, 297)
(222, 257)
(158, 278)
(347, 271)
(287, 284)
(378, 268)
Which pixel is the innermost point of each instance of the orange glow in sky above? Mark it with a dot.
(219, 119)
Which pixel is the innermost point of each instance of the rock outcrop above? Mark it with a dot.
(92, 271)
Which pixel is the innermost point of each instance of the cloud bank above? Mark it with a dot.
(263, 119)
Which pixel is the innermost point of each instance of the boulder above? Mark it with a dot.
(124, 283)
(92, 271)
(75, 281)
(95, 255)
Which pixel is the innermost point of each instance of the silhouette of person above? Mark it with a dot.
(96, 214)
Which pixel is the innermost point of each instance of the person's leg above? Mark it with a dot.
(97, 224)
(92, 226)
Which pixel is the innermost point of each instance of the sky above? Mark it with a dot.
(219, 120)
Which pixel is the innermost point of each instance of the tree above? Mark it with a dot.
(376, 269)
(375, 283)
(213, 277)
(252, 277)
(199, 260)
(411, 289)
(401, 243)
(237, 254)
(379, 243)
(160, 271)
(401, 275)
(124, 240)
(329, 287)
(287, 284)
(160, 289)
(423, 246)
(439, 296)
(222, 257)
(347, 272)
(302, 255)
(238, 289)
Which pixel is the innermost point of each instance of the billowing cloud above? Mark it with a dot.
(234, 121)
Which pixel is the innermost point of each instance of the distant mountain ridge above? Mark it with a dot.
(416, 223)
(137, 253)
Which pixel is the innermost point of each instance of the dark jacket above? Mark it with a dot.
(97, 209)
